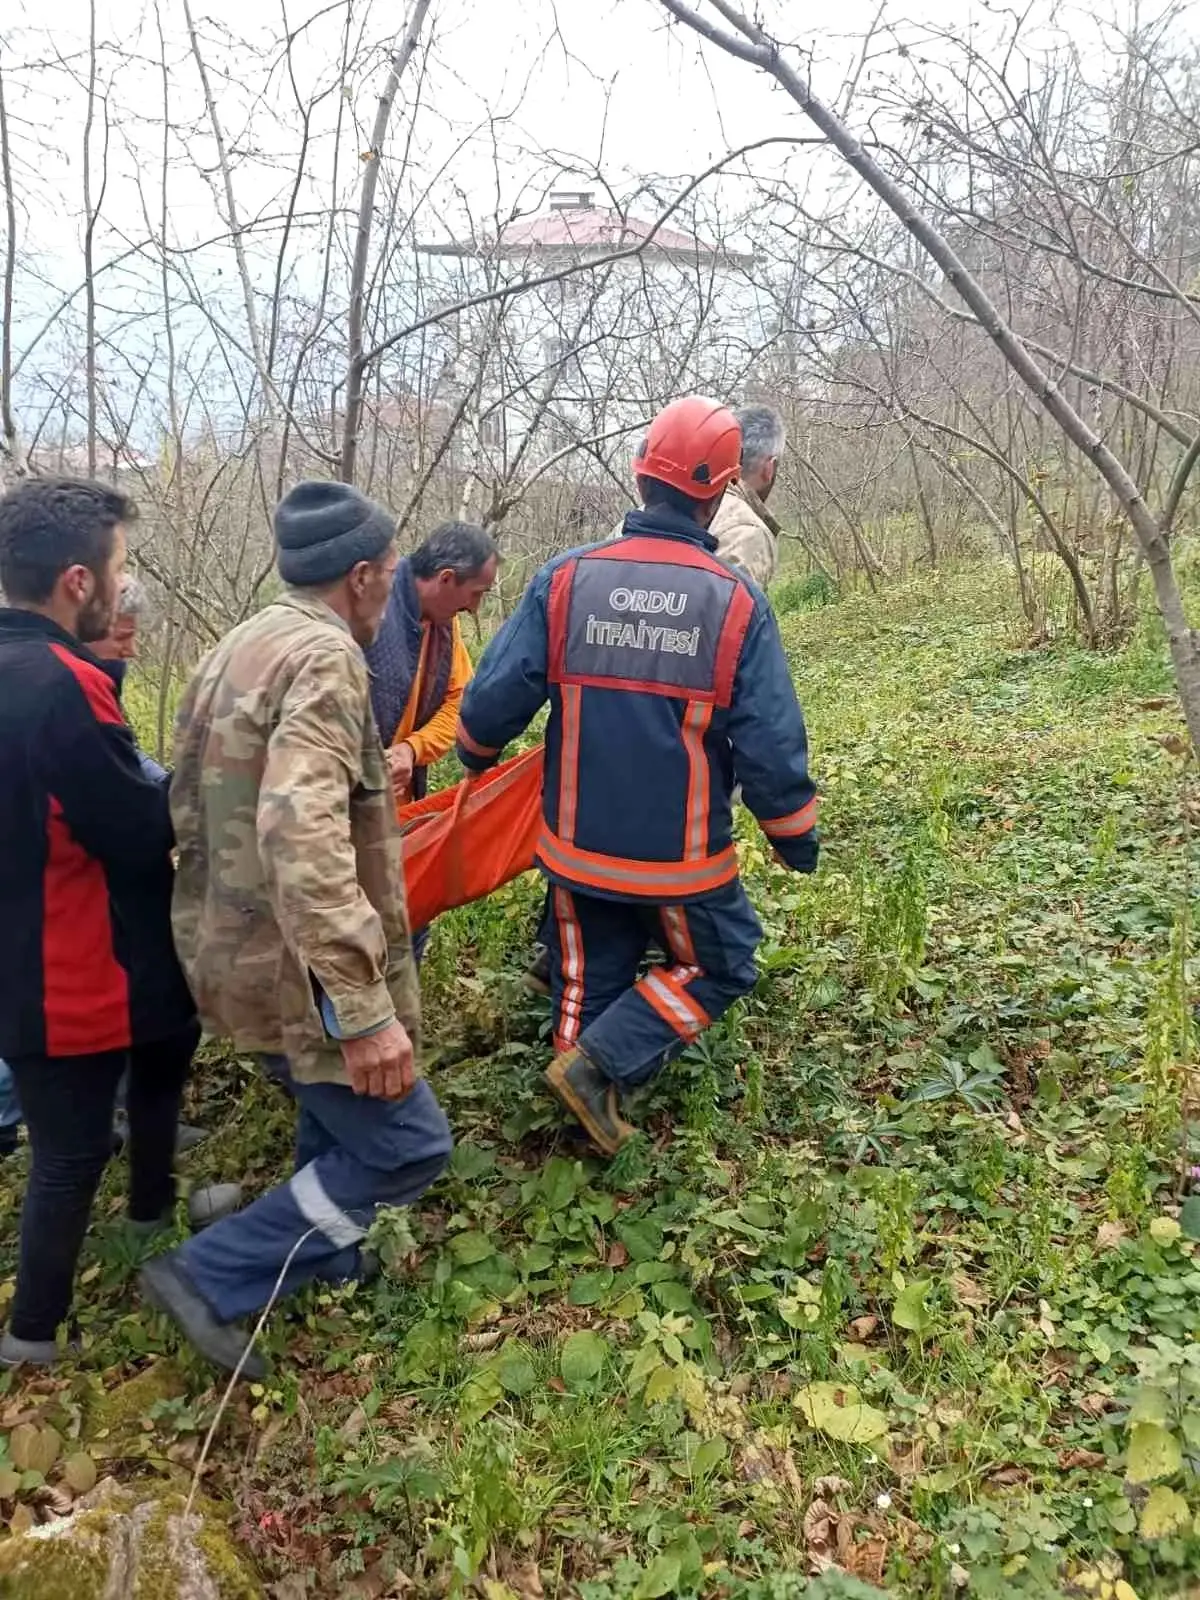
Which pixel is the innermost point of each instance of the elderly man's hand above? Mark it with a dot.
(380, 1065)
(400, 760)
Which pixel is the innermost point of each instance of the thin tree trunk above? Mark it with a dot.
(356, 367)
(89, 239)
(760, 50)
(8, 421)
(233, 219)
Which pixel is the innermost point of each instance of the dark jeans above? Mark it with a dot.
(68, 1103)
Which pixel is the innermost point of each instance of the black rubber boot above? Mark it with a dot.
(166, 1286)
(591, 1098)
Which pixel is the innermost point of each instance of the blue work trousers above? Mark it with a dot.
(632, 1027)
(354, 1153)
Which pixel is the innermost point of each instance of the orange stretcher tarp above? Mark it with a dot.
(462, 843)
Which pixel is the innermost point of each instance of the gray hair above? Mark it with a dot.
(763, 435)
(462, 547)
(132, 600)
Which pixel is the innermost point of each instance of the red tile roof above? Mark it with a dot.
(586, 229)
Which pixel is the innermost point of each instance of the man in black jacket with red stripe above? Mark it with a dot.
(89, 981)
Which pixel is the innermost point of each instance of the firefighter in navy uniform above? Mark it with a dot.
(668, 686)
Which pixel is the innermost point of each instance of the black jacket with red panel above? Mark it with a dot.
(87, 963)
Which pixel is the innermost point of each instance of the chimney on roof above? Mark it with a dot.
(571, 200)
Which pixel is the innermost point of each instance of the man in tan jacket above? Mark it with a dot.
(743, 529)
(290, 920)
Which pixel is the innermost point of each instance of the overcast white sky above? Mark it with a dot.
(607, 79)
(608, 82)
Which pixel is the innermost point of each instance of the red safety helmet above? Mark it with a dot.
(695, 445)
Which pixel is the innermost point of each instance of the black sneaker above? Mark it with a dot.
(167, 1286)
(591, 1098)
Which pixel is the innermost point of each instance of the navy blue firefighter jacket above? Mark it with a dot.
(668, 686)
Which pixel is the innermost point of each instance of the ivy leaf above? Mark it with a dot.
(471, 1161)
(1149, 1405)
(708, 1457)
(79, 1472)
(673, 1296)
(468, 1248)
(482, 1392)
(582, 1357)
(590, 1287)
(660, 1577)
(515, 1370)
(647, 1361)
(1153, 1453)
(910, 1310)
(662, 1385)
(34, 1449)
(1189, 1216)
(1165, 1512)
(560, 1183)
(538, 1258)
(1165, 1230)
(643, 1239)
(838, 1411)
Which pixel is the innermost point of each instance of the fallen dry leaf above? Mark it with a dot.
(863, 1327)
(617, 1256)
(1096, 1405)
(967, 1292)
(293, 1587)
(21, 1520)
(478, 1344)
(1173, 743)
(1110, 1234)
(824, 1487)
(866, 1559)
(1081, 1458)
(908, 1458)
(1004, 1477)
(792, 1476)
(351, 1429)
(818, 1529)
(526, 1580)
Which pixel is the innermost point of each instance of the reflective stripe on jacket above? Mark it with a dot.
(667, 685)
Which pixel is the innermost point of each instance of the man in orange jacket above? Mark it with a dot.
(419, 664)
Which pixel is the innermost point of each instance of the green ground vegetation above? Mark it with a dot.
(899, 1289)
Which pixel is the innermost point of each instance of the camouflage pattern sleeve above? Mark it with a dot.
(315, 760)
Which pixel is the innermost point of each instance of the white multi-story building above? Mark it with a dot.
(561, 375)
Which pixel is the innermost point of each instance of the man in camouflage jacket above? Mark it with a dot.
(290, 920)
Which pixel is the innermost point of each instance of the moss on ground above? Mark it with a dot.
(133, 1542)
(117, 1414)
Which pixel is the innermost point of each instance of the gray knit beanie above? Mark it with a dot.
(323, 529)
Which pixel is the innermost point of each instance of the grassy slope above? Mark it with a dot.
(890, 1229)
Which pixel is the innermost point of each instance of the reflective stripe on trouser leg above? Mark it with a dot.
(595, 946)
(569, 1012)
(318, 1209)
(658, 1018)
(387, 1153)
